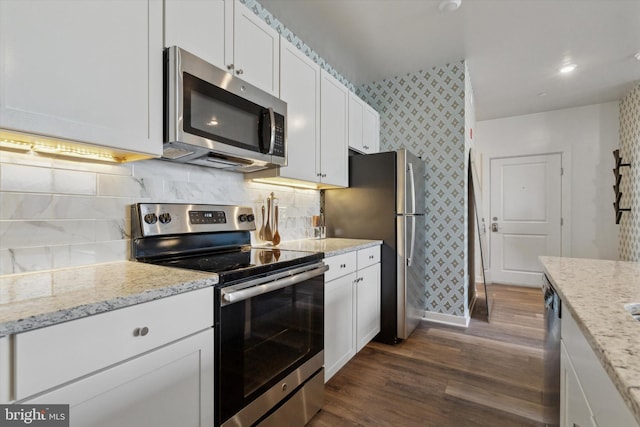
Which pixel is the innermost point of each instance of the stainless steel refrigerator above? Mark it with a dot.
(386, 201)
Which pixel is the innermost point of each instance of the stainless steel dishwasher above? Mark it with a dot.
(551, 387)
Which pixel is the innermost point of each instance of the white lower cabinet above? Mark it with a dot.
(368, 305)
(588, 397)
(150, 364)
(575, 408)
(339, 341)
(352, 306)
(171, 386)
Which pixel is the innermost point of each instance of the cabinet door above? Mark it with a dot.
(356, 117)
(171, 386)
(204, 28)
(300, 89)
(334, 104)
(256, 50)
(370, 130)
(574, 408)
(367, 305)
(339, 324)
(5, 370)
(89, 71)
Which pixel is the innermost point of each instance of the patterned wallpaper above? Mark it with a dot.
(629, 231)
(425, 113)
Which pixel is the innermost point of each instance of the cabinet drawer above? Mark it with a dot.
(368, 256)
(47, 357)
(340, 265)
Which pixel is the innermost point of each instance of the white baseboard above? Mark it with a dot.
(447, 319)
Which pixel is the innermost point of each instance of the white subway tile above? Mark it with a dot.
(124, 186)
(20, 234)
(23, 260)
(74, 182)
(90, 253)
(26, 178)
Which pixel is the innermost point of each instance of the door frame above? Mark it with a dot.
(565, 198)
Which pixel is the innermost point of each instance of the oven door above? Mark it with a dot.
(270, 341)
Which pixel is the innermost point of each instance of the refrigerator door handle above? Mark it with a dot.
(413, 240)
(413, 188)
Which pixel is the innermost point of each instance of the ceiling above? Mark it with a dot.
(513, 48)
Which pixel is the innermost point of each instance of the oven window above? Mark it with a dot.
(213, 113)
(265, 338)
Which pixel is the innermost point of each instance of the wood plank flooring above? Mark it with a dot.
(489, 374)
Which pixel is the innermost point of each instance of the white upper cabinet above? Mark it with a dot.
(85, 71)
(228, 35)
(334, 105)
(256, 50)
(356, 114)
(364, 133)
(370, 130)
(204, 28)
(300, 89)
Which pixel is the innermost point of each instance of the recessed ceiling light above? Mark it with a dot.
(568, 68)
(449, 5)
(542, 94)
(637, 56)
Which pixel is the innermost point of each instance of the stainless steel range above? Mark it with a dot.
(269, 309)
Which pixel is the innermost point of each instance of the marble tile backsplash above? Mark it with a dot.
(58, 213)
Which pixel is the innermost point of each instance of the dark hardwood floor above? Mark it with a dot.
(489, 374)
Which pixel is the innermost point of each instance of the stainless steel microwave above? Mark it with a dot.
(213, 118)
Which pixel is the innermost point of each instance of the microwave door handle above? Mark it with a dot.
(272, 126)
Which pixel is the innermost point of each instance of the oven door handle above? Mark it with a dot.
(231, 297)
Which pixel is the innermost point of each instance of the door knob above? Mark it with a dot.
(494, 227)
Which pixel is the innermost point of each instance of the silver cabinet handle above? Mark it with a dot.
(230, 67)
(141, 332)
(239, 71)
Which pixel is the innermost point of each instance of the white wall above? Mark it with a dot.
(586, 137)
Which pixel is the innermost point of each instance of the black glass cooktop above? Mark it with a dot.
(236, 265)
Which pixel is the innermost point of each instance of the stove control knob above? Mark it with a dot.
(251, 218)
(242, 218)
(150, 218)
(165, 218)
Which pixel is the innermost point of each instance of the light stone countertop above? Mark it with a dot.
(330, 246)
(34, 300)
(595, 292)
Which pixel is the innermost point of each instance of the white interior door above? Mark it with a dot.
(525, 217)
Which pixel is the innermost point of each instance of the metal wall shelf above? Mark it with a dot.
(616, 186)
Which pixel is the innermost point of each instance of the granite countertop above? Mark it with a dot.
(34, 300)
(330, 246)
(595, 292)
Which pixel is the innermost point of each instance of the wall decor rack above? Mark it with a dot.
(616, 186)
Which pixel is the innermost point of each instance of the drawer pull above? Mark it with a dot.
(140, 332)
(343, 265)
(370, 256)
